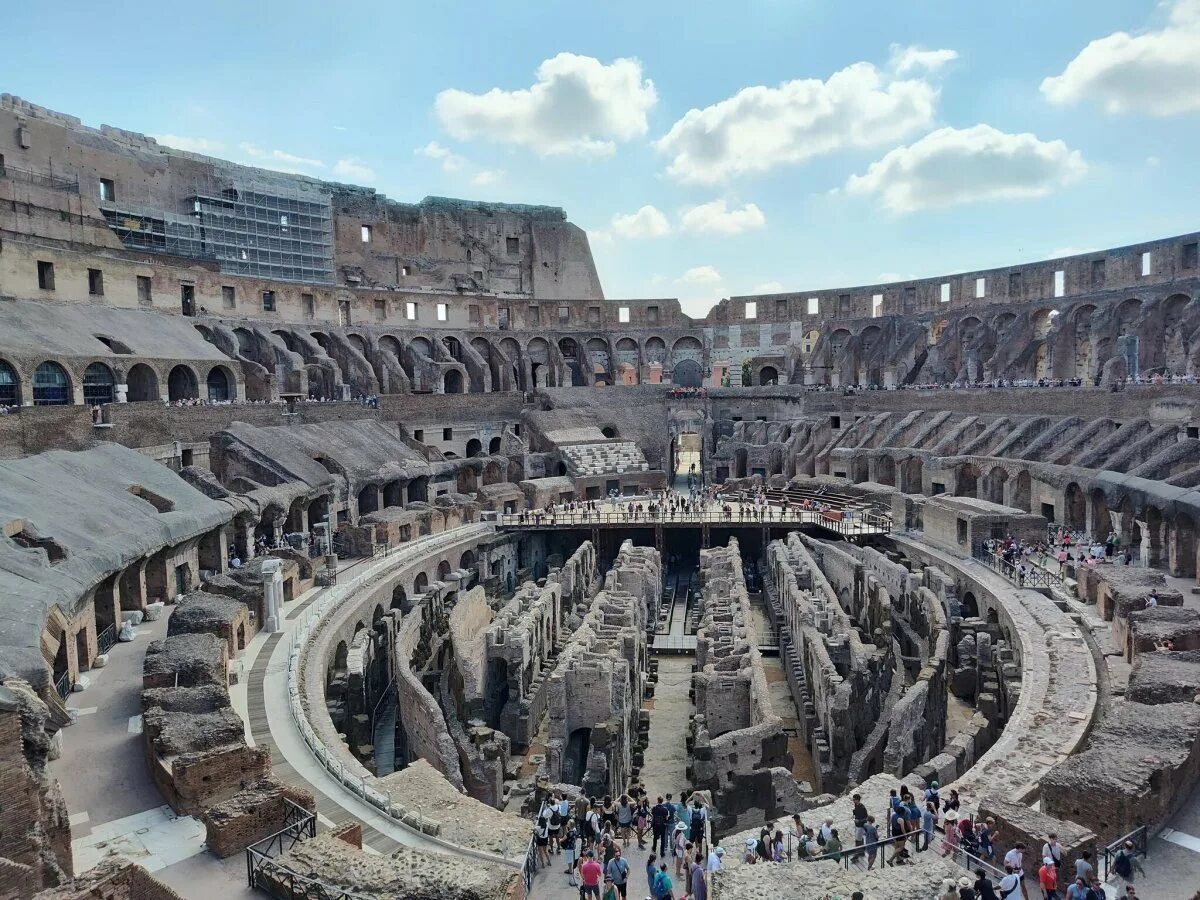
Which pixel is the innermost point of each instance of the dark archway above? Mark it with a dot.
(181, 384)
(474, 447)
(418, 490)
(420, 583)
(142, 383)
(575, 757)
(453, 382)
(1075, 508)
(768, 375)
(10, 385)
(494, 445)
(443, 570)
(687, 373)
(218, 384)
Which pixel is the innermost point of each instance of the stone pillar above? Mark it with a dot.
(272, 595)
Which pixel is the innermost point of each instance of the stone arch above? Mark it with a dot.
(1042, 320)
(51, 385)
(768, 375)
(467, 560)
(885, 471)
(740, 462)
(1022, 491)
(181, 384)
(656, 350)
(491, 473)
(399, 598)
(420, 583)
(540, 369)
(1127, 315)
(220, 385)
(1081, 334)
(474, 447)
(453, 382)
(443, 570)
(966, 480)
(810, 340)
(494, 445)
(391, 345)
(969, 605)
(99, 385)
(911, 473)
(688, 373)
(368, 499)
(994, 485)
(1181, 546)
(142, 382)
(686, 348)
(10, 385)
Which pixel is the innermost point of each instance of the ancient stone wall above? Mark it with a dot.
(256, 812)
(595, 689)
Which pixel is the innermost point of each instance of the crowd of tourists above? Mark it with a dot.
(1065, 550)
(593, 836)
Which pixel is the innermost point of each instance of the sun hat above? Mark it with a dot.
(720, 851)
(952, 815)
(679, 826)
(1047, 860)
(750, 842)
(964, 882)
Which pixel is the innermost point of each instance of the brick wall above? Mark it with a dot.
(19, 803)
(114, 878)
(251, 815)
(37, 428)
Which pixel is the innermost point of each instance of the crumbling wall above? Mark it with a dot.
(739, 748)
(595, 689)
(256, 812)
(113, 878)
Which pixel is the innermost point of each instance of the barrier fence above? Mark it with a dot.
(1025, 573)
(1140, 837)
(852, 525)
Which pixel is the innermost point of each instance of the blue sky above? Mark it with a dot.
(709, 148)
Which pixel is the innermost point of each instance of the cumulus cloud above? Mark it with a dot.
(190, 144)
(768, 287)
(647, 222)
(451, 162)
(486, 177)
(279, 159)
(1154, 72)
(578, 105)
(952, 166)
(760, 128)
(913, 59)
(700, 275)
(354, 169)
(716, 218)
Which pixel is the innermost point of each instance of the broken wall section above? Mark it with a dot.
(595, 690)
(738, 745)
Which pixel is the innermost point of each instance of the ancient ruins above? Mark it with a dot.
(343, 536)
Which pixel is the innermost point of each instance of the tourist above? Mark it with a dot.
(594, 828)
(1011, 885)
(651, 873)
(1126, 861)
(617, 870)
(715, 856)
(680, 848)
(624, 817)
(1077, 891)
(871, 839)
(590, 874)
(1084, 868)
(659, 816)
(541, 838)
(966, 888)
(641, 821)
(698, 816)
(570, 848)
(1015, 858)
(697, 885)
(984, 889)
(950, 838)
(610, 890)
(928, 821)
(833, 846)
(985, 833)
(1053, 849)
(1048, 878)
(860, 819)
(750, 855)
(778, 854)
(949, 891)
(664, 887)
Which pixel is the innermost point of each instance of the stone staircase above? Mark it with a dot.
(618, 458)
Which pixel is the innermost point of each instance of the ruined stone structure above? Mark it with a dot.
(307, 459)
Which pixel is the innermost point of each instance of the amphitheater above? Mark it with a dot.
(341, 534)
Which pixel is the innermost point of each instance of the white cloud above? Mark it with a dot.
(715, 218)
(951, 166)
(486, 177)
(451, 162)
(190, 144)
(1154, 72)
(578, 105)
(768, 287)
(1152, 161)
(354, 169)
(280, 159)
(647, 222)
(700, 275)
(760, 128)
(910, 59)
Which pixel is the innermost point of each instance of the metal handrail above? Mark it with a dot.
(1141, 847)
(1034, 576)
(42, 179)
(106, 639)
(866, 524)
(63, 685)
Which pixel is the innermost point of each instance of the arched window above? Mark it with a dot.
(218, 385)
(10, 385)
(99, 385)
(51, 386)
(142, 382)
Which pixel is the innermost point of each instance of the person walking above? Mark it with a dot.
(617, 871)
(659, 817)
(1126, 862)
(696, 882)
(590, 874)
(570, 849)
(1048, 878)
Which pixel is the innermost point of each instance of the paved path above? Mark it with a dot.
(664, 769)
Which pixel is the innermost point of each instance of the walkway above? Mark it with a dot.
(664, 769)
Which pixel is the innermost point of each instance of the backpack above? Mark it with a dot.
(1122, 866)
(555, 819)
(593, 820)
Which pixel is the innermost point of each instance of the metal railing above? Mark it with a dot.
(530, 867)
(1140, 837)
(282, 883)
(860, 855)
(1026, 573)
(40, 179)
(63, 685)
(856, 524)
(106, 639)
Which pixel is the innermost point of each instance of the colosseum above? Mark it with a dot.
(357, 548)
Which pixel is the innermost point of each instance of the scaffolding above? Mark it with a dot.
(265, 228)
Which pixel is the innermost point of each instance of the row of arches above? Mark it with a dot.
(51, 384)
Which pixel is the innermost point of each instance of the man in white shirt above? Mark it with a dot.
(1014, 859)
(714, 859)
